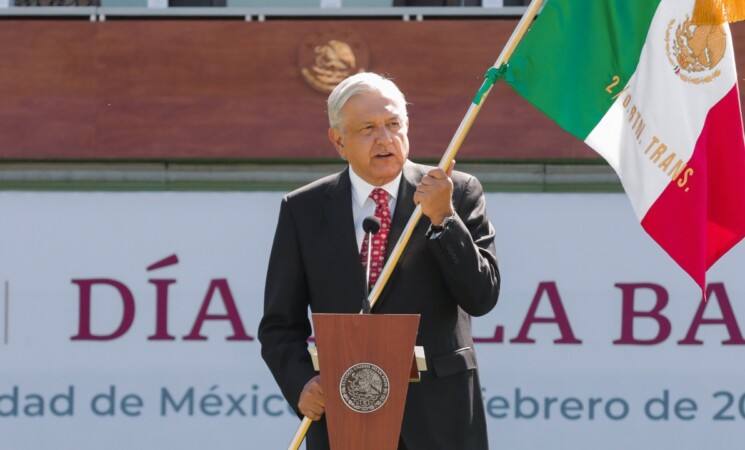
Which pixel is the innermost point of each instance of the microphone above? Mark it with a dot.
(370, 226)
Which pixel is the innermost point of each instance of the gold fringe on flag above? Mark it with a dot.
(717, 12)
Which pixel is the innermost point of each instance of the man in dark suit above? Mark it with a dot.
(448, 271)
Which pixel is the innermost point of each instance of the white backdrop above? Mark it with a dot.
(553, 377)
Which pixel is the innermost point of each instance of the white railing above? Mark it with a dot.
(157, 9)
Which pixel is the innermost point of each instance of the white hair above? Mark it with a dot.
(356, 84)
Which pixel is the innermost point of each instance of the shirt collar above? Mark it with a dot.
(361, 189)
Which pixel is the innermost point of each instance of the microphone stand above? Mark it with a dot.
(366, 300)
(370, 226)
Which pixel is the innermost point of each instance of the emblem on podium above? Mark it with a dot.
(364, 387)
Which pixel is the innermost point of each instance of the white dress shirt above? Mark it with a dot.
(363, 206)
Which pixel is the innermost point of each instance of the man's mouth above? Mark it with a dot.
(384, 155)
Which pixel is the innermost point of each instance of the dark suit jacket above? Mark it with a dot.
(315, 262)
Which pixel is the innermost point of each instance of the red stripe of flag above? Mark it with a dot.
(696, 227)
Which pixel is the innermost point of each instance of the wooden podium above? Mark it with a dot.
(365, 362)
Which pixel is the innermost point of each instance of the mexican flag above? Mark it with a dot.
(657, 97)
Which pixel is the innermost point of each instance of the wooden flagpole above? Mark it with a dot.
(447, 159)
(455, 143)
(299, 434)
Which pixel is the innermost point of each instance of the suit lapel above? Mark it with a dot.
(338, 215)
(412, 174)
(404, 204)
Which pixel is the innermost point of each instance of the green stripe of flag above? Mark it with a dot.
(572, 53)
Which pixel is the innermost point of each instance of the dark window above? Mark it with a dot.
(57, 3)
(197, 2)
(436, 2)
(454, 2)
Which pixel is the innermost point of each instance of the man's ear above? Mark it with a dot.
(337, 139)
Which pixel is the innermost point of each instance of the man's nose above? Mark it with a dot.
(385, 136)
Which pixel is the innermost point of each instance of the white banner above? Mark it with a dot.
(128, 321)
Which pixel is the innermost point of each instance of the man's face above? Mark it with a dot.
(373, 137)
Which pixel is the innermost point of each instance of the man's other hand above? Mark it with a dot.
(311, 403)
